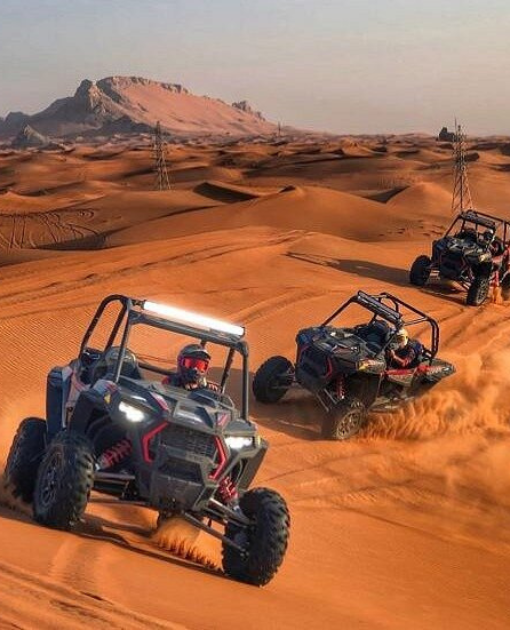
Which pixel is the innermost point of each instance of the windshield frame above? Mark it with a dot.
(132, 314)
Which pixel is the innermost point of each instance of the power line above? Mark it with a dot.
(159, 153)
(461, 193)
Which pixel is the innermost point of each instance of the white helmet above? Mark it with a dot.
(402, 337)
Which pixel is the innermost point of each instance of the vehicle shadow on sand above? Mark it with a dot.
(362, 268)
(296, 415)
(448, 292)
(98, 528)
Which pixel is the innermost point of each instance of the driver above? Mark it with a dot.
(488, 236)
(404, 354)
(493, 243)
(192, 366)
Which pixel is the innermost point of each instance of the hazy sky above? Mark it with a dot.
(348, 66)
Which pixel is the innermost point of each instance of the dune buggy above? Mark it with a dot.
(114, 427)
(475, 252)
(348, 369)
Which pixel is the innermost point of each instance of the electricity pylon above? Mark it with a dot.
(461, 194)
(159, 151)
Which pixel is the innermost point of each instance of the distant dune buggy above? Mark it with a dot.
(348, 368)
(189, 452)
(475, 252)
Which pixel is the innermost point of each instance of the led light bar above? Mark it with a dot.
(201, 321)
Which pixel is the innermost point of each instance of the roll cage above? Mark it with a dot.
(487, 221)
(389, 308)
(136, 311)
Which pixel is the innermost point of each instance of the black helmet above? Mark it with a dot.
(193, 363)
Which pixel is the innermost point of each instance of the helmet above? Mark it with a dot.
(193, 363)
(402, 337)
(488, 235)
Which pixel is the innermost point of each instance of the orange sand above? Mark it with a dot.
(404, 527)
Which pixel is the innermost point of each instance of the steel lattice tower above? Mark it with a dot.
(461, 194)
(159, 151)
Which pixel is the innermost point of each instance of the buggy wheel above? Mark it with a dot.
(505, 287)
(478, 290)
(273, 379)
(344, 420)
(64, 481)
(26, 453)
(420, 271)
(265, 541)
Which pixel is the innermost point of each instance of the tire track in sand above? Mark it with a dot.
(29, 600)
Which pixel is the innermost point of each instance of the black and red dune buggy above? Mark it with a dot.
(112, 425)
(349, 370)
(475, 252)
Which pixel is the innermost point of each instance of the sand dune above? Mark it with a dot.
(405, 527)
(313, 209)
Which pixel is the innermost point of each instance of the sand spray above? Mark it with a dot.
(183, 539)
(460, 431)
(474, 400)
(7, 499)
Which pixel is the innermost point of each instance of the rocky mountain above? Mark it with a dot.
(133, 104)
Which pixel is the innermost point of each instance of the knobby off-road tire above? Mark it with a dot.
(64, 481)
(420, 271)
(272, 380)
(26, 453)
(345, 420)
(265, 541)
(478, 290)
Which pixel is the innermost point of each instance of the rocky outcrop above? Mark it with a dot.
(28, 137)
(245, 107)
(13, 123)
(113, 86)
(446, 136)
(120, 126)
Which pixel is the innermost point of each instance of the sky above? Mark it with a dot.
(345, 66)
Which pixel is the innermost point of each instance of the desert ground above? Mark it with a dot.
(403, 527)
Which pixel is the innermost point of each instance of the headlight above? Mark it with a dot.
(484, 257)
(133, 414)
(236, 443)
